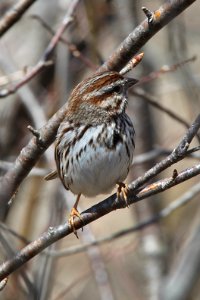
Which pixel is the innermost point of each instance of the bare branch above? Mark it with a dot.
(7, 165)
(167, 211)
(72, 48)
(3, 283)
(165, 69)
(178, 153)
(151, 100)
(27, 159)
(95, 212)
(143, 32)
(36, 133)
(132, 63)
(31, 153)
(42, 62)
(149, 14)
(155, 153)
(5, 228)
(13, 15)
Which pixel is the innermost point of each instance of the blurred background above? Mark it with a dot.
(141, 264)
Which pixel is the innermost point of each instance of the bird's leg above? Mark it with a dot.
(75, 213)
(122, 192)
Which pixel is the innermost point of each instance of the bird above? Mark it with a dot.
(95, 141)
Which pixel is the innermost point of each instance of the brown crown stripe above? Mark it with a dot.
(100, 80)
(105, 80)
(87, 86)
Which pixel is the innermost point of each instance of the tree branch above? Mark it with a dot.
(142, 33)
(32, 152)
(72, 47)
(112, 203)
(168, 210)
(177, 154)
(150, 99)
(95, 212)
(43, 62)
(13, 15)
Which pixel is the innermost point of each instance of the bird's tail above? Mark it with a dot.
(51, 175)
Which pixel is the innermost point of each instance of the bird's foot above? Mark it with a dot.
(74, 213)
(122, 192)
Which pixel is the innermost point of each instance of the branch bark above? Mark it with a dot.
(14, 14)
(165, 212)
(112, 203)
(95, 212)
(32, 152)
(142, 33)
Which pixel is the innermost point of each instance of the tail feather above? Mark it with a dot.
(51, 175)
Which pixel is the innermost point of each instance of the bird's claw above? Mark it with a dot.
(122, 192)
(74, 213)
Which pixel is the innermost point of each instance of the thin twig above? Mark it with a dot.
(7, 165)
(155, 153)
(13, 15)
(5, 228)
(19, 74)
(165, 69)
(31, 153)
(3, 283)
(152, 100)
(143, 32)
(132, 63)
(8, 248)
(36, 133)
(149, 14)
(42, 62)
(95, 212)
(178, 153)
(72, 47)
(167, 211)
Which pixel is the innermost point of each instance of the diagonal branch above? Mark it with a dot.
(165, 212)
(151, 99)
(95, 212)
(43, 62)
(177, 154)
(32, 152)
(13, 15)
(27, 158)
(72, 47)
(143, 32)
(112, 203)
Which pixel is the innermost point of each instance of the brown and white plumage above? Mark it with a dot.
(95, 141)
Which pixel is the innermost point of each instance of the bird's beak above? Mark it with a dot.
(130, 81)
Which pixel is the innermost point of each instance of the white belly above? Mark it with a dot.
(93, 170)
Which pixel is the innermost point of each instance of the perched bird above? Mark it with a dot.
(95, 142)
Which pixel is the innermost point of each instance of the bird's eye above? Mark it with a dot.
(117, 89)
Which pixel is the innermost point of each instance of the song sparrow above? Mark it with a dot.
(95, 142)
